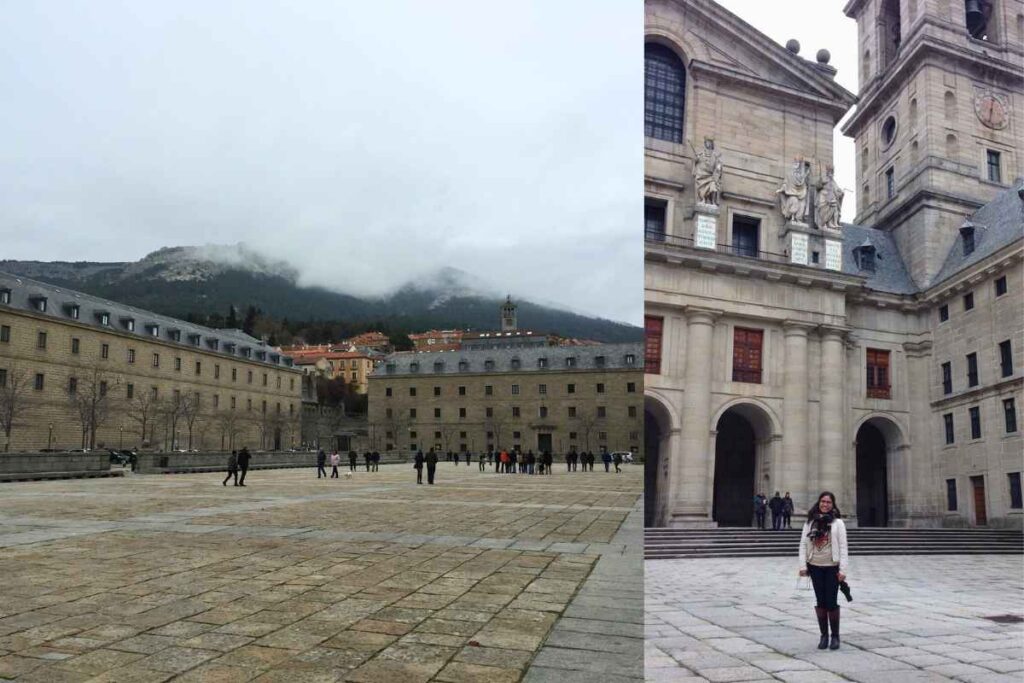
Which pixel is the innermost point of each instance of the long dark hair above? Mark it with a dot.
(814, 511)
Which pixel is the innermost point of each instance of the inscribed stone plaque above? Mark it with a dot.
(706, 234)
(798, 248)
(833, 255)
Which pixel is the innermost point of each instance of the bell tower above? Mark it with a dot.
(939, 120)
(508, 316)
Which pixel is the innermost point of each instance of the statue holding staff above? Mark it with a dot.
(793, 193)
(829, 205)
(707, 173)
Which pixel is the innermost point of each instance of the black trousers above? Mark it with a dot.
(352, 465)
(334, 471)
(760, 520)
(241, 480)
(232, 473)
(786, 517)
(776, 521)
(320, 470)
(431, 468)
(419, 475)
(826, 585)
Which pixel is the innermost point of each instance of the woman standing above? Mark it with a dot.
(824, 556)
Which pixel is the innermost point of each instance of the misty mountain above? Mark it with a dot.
(177, 281)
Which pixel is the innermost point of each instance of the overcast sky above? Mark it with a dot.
(815, 24)
(366, 142)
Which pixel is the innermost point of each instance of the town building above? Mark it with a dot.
(789, 351)
(352, 365)
(437, 340)
(80, 371)
(541, 399)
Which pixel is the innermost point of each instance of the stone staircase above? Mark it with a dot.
(661, 543)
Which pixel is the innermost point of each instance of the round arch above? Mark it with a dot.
(745, 432)
(761, 415)
(661, 427)
(881, 474)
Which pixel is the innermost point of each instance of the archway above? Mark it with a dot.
(742, 433)
(873, 466)
(657, 427)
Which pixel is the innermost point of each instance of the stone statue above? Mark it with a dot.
(707, 173)
(829, 204)
(793, 193)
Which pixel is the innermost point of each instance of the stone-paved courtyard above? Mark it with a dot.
(482, 577)
(913, 619)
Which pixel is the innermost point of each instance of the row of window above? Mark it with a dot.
(570, 388)
(993, 169)
(42, 342)
(1012, 480)
(974, 415)
(515, 364)
(73, 386)
(973, 377)
(516, 438)
(999, 284)
(516, 411)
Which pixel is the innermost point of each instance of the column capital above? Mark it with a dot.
(797, 327)
(700, 315)
(836, 332)
(918, 349)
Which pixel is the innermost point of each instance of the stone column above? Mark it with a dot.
(691, 463)
(832, 421)
(924, 492)
(793, 469)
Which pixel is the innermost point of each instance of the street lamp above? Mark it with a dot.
(49, 439)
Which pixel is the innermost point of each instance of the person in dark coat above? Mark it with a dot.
(352, 461)
(531, 462)
(787, 511)
(617, 459)
(431, 465)
(367, 457)
(760, 506)
(448, 458)
(483, 461)
(243, 464)
(418, 465)
(549, 460)
(775, 505)
(321, 460)
(607, 460)
(590, 460)
(469, 457)
(375, 461)
(232, 468)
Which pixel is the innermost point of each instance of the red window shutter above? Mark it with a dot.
(878, 374)
(652, 344)
(746, 355)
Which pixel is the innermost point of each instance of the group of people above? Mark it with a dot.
(781, 509)
(238, 461)
(371, 459)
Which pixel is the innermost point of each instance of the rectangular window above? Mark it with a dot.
(652, 344)
(177, 364)
(1015, 498)
(5, 333)
(156, 360)
(72, 385)
(968, 301)
(1005, 358)
(234, 374)
(654, 219)
(630, 387)
(975, 413)
(154, 392)
(412, 412)
(947, 378)
(437, 391)
(41, 340)
(515, 389)
(387, 391)
(388, 412)
(462, 391)
(74, 345)
(39, 381)
(131, 355)
(951, 495)
(265, 379)
(462, 412)
(890, 183)
(129, 391)
(542, 412)
(216, 371)
(943, 313)
(199, 367)
(602, 436)
(3, 377)
(747, 355)
(746, 232)
(488, 390)
(995, 173)
(972, 370)
(437, 412)
(233, 403)
(631, 411)
(248, 376)
(878, 374)
(488, 412)
(542, 388)
(216, 401)
(515, 411)
(572, 411)
(1001, 286)
(602, 411)
(105, 351)
(1010, 415)
(103, 388)
(412, 391)
(947, 421)
(600, 387)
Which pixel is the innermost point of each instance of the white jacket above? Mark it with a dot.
(840, 553)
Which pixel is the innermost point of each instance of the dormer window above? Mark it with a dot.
(153, 330)
(245, 351)
(214, 344)
(599, 361)
(542, 362)
(74, 311)
(414, 367)
(5, 296)
(389, 368)
(516, 363)
(229, 347)
(175, 335)
(488, 364)
(194, 339)
(570, 362)
(288, 362)
(38, 303)
(104, 318)
(439, 366)
(967, 237)
(129, 324)
(630, 359)
(463, 366)
(261, 355)
(864, 256)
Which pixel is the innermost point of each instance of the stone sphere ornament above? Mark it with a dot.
(823, 56)
(793, 45)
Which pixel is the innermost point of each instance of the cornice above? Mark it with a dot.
(976, 393)
(967, 278)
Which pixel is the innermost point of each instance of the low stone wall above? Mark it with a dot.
(168, 463)
(27, 466)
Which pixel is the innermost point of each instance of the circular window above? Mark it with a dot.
(889, 131)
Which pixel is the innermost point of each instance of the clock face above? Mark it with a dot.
(991, 110)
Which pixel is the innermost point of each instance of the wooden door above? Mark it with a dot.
(980, 517)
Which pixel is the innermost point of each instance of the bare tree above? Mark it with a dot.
(448, 432)
(89, 398)
(587, 422)
(495, 424)
(396, 425)
(14, 401)
(230, 424)
(170, 409)
(190, 413)
(142, 408)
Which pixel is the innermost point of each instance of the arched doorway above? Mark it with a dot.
(735, 470)
(872, 476)
(657, 427)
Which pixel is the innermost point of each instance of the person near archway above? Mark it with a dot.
(775, 505)
(760, 507)
(431, 461)
(824, 556)
(417, 465)
(787, 511)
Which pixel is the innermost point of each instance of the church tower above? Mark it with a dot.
(508, 316)
(940, 118)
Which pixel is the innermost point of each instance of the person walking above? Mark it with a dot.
(513, 457)
(232, 468)
(606, 459)
(417, 463)
(590, 460)
(824, 556)
(490, 457)
(367, 456)
(787, 511)
(531, 462)
(549, 462)
(483, 461)
(431, 466)
(243, 464)
(448, 458)
(321, 460)
(617, 458)
(335, 459)
(775, 505)
(375, 461)
(352, 461)
(469, 457)
(760, 507)
(503, 458)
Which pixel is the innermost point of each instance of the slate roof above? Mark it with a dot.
(997, 224)
(890, 274)
(59, 300)
(614, 356)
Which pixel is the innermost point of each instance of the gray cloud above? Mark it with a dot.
(365, 143)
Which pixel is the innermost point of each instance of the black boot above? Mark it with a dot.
(833, 620)
(822, 615)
